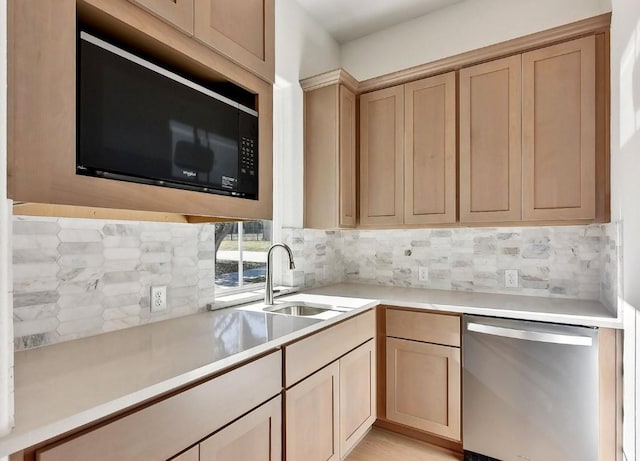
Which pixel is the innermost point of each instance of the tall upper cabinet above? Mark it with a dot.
(408, 153)
(330, 151)
(490, 141)
(176, 12)
(381, 157)
(559, 131)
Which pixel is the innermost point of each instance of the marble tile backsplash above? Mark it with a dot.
(77, 277)
(565, 261)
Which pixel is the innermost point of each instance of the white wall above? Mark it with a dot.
(6, 315)
(303, 49)
(625, 171)
(464, 26)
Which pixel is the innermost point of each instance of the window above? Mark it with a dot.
(241, 254)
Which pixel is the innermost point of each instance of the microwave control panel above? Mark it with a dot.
(248, 157)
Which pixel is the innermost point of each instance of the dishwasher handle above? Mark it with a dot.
(538, 336)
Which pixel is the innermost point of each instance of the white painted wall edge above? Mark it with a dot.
(6, 295)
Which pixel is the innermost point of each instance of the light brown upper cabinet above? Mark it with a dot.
(490, 141)
(430, 150)
(242, 30)
(381, 157)
(41, 103)
(330, 157)
(559, 131)
(176, 12)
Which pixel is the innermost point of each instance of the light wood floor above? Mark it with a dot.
(381, 445)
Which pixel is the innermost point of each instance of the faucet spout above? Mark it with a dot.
(268, 286)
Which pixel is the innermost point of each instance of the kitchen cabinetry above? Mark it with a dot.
(430, 150)
(165, 428)
(407, 153)
(559, 131)
(490, 141)
(256, 437)
(193, 454)
(381, 157)
(176, 12)
(41, 99)
(331, 409)
(423, 371)
(244, 31)
(330, 152)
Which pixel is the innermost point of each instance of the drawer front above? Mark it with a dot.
(424, 326)
(314, 352)
(167, 427)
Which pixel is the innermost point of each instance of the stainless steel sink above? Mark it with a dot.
(302, 309)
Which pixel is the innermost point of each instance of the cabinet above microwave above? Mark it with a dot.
(43, 101)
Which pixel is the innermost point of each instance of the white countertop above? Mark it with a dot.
(557, 310)
(65, 386)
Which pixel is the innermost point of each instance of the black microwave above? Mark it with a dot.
(140, 122)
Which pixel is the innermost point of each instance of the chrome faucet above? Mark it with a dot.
(268, 286)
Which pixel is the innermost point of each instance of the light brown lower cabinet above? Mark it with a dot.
(331, 410)
(165, 428)
(423, 386)
(256, 437)
(192, 454)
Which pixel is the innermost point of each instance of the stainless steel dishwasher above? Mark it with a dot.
(530, 391)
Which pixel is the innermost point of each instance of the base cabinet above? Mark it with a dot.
(423, 386)
(256, 437)
(312, 407)
(330, 411)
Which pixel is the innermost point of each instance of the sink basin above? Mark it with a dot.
(301, 309)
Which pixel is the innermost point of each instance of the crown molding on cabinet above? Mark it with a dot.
(547, 37)
(330, 78)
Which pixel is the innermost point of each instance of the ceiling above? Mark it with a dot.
(347, 20)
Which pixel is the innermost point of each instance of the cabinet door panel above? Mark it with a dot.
(176, 12)
(381, 153)
(490, 141)
(357, 395)
(430, 150)
(244, 31)
(423, 386)
(312, 408)
(192, 454)
(347, 150)
(256, 437)
(559, 131)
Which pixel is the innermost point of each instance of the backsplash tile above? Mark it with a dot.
(563, 261)
(76, 277)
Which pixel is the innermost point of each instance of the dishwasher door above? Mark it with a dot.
(530, 390)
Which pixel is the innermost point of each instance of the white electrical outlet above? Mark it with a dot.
(511, 278)
(158, 298)
(423, 274)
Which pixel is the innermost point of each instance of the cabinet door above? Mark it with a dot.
(381, 152)
(490, 141)
(312, 408)
(256, 437)
(357, 395)
(559, 131)
(347, 154)
(192, 454)
(329, 157)
(176, 12)
(242, 30)
(430, 150)
(423, 386)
